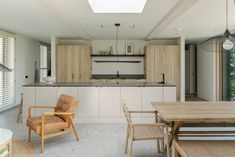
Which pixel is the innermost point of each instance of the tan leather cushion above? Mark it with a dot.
(66, 103)
(51, 123)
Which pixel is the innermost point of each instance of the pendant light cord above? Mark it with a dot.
(116, 44)
(226, 14)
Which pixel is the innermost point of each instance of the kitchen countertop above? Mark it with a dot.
(96, 84)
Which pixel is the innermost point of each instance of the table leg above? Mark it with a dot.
(10, 148)
(175, 127)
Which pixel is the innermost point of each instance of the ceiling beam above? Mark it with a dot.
(68, 21)
(181, 7)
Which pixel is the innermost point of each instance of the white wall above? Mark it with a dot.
(27, 51)
(98, 45)
(54, 42)
(181, 42)
(112, 68)
(206, 71)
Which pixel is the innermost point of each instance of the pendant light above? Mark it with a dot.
(116, 43)
(228, 44)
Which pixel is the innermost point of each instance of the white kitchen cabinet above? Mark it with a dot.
(99, 104)
(28, 100)
(132, 97)
(150, 94)
(110, 102)
(169, 94)
(89, 101)
(45, 96)
(72, 91)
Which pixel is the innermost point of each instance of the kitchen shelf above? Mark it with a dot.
(123, 55)
(102, 61)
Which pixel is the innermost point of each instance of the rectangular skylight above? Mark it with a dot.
(117, 6)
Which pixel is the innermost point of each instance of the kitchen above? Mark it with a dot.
(102, 81)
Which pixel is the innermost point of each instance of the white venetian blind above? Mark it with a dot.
(7, 81)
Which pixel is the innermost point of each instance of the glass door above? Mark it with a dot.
(229, 75)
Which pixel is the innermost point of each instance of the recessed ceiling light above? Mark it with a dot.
(117, 6)
(132, 27)
(178, 29)
(102, 26)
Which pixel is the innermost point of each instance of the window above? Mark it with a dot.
(44, 62)
(229, 75)
(7, 79)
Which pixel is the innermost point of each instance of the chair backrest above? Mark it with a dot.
(66, 103)
(126, 112)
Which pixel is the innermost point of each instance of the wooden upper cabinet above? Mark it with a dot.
(163, 59)
(85, 64)
(61, 63)
(149, 63)
(73, 63)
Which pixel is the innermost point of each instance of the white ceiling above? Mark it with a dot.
(41, 19)
(205, 19)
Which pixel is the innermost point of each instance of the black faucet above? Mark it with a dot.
(118, 77)
(163, 79)
(118, 74)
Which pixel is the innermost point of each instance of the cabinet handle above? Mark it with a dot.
(72, 76)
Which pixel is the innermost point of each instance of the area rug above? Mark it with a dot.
(21, 148)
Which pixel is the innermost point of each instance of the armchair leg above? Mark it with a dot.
(42, 144)
(75, 129)
(127, 137)
(130, 149)
(29, 135)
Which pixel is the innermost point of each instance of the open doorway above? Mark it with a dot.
(191, 73)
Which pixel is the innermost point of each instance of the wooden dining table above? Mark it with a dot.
(175, 114)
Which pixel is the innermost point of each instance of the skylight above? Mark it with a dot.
(117, 6)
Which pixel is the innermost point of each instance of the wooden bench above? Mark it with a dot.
(203, 148)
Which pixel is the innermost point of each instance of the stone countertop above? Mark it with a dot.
(96, 84)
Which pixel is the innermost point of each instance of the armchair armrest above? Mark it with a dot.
(150, 112)
(59, 113)
(42, 107)
(152, 124)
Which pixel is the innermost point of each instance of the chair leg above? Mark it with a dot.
(10, 149)
(130, 148)
(74, 129)
(42, 135)
(18, 117)
(42, 143)
(20, 109)
(174, 152)
(158, 145)
(163, 145)
(29, 135)
(127, 137)
(167, 144)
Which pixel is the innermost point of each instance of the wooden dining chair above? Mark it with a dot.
(54, 123)
(20, 109)
(147, 131)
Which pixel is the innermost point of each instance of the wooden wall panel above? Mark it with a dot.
(61, 63)
(149, 63)
(76, 63)
(166, 59)
(73, 63)
(85, 64)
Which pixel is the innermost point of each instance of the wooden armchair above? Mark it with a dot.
(146, 131)
(58, 121)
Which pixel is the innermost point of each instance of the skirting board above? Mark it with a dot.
(7, 107)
